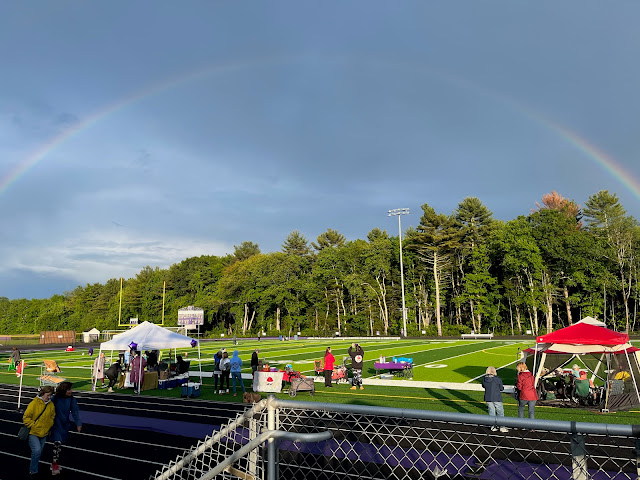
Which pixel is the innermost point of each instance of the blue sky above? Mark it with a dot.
(152, 131)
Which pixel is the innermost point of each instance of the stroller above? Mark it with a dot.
(299, 383)
(339, 374)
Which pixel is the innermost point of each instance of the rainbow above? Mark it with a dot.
(602, 159)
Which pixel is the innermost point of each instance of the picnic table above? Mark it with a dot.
(403, 369)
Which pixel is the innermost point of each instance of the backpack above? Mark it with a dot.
(226, 367)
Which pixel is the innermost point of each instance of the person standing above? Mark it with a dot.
(65, 404)
(113, 373)
(329, 360)
(15, 360)
(493, 385)
(357, 355)
(98, 368)
(254, 361)
(527, 394)
(225, 368)
(217, 372)
(236, 371)
(137, 371)
(38, 417)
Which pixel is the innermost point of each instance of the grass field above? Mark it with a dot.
(460, 361)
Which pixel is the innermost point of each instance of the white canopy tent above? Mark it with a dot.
(149, 336)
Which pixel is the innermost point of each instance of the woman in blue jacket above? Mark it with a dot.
(493, 387)
(65, 403)
(236, 372)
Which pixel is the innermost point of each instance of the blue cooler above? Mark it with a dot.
(182, 379)
(162, 384)
(171, 383)
(190, 390)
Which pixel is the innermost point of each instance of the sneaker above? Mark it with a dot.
(110, 390)
(55, 469)
(494, 429)
(353, 388)
(504, 429)
(361, 387)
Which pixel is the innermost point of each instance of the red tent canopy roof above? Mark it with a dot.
(584, 334)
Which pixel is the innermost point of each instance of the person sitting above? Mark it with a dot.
(581, 388)
(622, 374)
(152, 360)
(181, 366)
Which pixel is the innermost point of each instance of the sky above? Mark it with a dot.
(137, 133)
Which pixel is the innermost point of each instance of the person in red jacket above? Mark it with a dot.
(329, 360)
(527, 394)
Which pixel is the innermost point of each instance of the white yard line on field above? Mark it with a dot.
(499, 368)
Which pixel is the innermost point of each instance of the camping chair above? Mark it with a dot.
(582, 392)
(49, 374)
(318, 366)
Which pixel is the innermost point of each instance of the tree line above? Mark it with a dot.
(462, 271)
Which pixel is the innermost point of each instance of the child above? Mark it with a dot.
(492, 385)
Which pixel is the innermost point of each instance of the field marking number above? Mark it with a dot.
(436, 365)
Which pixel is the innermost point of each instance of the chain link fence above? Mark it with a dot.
(307, 440)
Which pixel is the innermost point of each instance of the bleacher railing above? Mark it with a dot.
(369, 442)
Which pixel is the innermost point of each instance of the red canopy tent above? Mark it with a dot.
(584, 334)
(587, 338)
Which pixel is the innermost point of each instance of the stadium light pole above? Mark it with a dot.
(393, 213)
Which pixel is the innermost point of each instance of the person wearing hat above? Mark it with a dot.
(254, 361)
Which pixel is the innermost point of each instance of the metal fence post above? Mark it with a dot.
(271, 449)
(252, 466)
(578, 457)
(638, 457)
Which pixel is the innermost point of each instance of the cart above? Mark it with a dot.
(299, 383)
(303, 384)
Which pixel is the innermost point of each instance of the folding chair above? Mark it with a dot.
(49, 374)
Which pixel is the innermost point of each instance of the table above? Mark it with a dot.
(401, 369)
(267, 381)
(149, 382)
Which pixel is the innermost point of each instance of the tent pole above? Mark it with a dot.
(542, 360)
(607, 384)
(200, 362)
(626, 352)
(535, 358)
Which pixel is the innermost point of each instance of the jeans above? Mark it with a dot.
(36, 444)
(530, 403)
(495, 409)
(237, 375)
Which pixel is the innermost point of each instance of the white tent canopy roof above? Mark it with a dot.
(592, 321)
(93, 331)
(148, 336)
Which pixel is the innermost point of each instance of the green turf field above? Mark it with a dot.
(459, 361)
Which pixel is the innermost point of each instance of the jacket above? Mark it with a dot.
(114, 370)
(15, 356)
(525, 384)
(137, 372)
(98, 367)
(329, 359)
(236, 363)
(492, 387)
(357, 355)
(216, 363)
(61, 422)
(223, 362)
(254, 359)
(45, 422)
